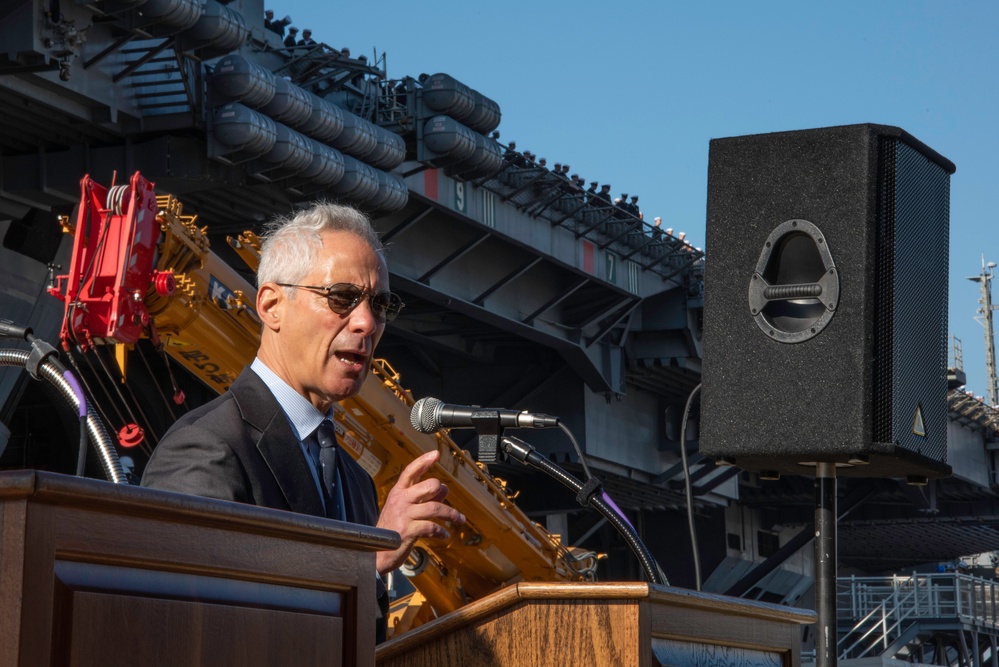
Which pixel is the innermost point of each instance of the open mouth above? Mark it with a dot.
(352, 359)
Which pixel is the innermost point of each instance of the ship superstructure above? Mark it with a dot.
(523, 288)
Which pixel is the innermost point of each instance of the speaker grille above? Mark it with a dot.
(910, 330)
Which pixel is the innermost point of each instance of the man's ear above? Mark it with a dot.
(271, 301)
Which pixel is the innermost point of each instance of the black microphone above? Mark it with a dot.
(430, 415)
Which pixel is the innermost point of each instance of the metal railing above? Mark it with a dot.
(881, 609)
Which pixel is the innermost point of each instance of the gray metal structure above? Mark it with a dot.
(985, 309)
(940, 618)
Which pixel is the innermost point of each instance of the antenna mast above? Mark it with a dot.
(985, 318)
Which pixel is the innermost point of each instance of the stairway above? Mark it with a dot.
(163, 82)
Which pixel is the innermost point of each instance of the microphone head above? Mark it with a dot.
(424, 415)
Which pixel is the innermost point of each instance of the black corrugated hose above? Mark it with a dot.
(590, 494)
(43, 363)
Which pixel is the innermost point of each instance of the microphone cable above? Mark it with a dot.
(687, 488)
(579, 451)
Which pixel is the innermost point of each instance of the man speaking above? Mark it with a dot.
(323, 302)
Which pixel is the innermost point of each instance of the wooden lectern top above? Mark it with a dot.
(56, 489)
(94, 573)
(615, 624)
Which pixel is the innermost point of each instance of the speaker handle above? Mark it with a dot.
(824, 291)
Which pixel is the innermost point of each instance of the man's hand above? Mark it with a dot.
(414, 509)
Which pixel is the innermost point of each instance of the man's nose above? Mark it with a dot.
(362, 318)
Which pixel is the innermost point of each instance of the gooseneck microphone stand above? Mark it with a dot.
(588, 494)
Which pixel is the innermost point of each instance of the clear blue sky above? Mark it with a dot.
(630, 93)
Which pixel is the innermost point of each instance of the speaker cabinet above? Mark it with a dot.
(825, 303)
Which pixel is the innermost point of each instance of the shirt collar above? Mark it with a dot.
(303, 416)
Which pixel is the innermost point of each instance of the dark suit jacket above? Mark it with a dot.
(240, 447)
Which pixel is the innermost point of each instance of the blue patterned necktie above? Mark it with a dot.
(326, 436)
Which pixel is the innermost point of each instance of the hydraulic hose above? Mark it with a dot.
(49, 369)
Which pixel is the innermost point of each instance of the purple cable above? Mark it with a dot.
(617, 510)
(71, 379)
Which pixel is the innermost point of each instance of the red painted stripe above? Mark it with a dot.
(588, 256)
(430, 183)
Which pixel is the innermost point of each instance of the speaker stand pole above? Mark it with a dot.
(825, 565)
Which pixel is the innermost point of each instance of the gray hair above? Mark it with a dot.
(292, 242)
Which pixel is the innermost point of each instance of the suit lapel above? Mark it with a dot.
(284, 457)
(277, 444)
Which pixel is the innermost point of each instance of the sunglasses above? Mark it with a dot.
(345, 297)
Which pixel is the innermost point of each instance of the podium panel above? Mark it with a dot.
(604, 624)
(193, 633)
(93, 573)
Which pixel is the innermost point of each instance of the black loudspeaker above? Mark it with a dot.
(825, 303)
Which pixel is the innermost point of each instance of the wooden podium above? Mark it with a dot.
(93, 573)
(612, 624)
